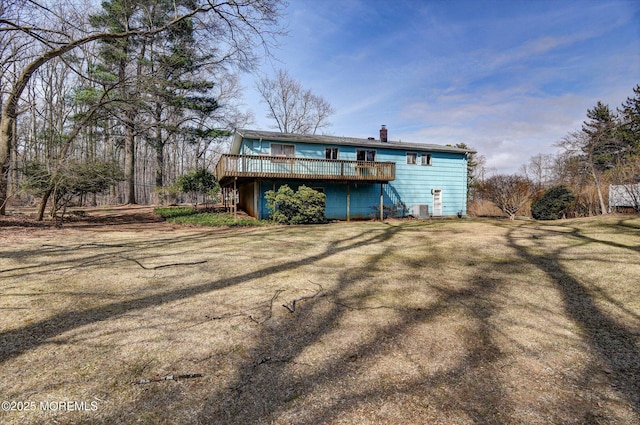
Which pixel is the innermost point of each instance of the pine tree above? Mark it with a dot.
(604, 148)
(178, 92)
(123, 60)
(629, 128)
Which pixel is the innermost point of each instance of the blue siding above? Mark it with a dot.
(364, 198)
(413, 184)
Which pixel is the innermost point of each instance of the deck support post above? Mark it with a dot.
(256, 199)
(381, 204)
(225, 196)
(235, 198)
(348, 202)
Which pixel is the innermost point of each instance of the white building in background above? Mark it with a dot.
(624, 196)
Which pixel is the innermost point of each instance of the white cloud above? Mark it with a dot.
(507, 127)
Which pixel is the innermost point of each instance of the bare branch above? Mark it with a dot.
(293, 109)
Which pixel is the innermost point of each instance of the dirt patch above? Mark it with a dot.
(21, 223)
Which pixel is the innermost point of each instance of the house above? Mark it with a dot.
(358, 176)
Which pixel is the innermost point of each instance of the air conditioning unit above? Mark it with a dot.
(421, 211)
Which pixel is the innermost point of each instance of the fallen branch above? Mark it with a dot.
(278, 292)
(249, 316)
(101, 259)
(82, 245)
(378, 307)
(291, 306)
(168, 378)
(275, 295)
(162, 265)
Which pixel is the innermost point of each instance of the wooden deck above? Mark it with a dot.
(244, 167)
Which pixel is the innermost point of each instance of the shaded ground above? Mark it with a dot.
(123, 215)
(452, 322)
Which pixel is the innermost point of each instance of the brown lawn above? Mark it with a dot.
(438, 322)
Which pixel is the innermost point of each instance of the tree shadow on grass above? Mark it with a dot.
(61, 258)
(17, 341)
(617, 347)
(269, 385)
(277, 385)
(277, 381)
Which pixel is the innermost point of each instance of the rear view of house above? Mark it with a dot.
(358, 176)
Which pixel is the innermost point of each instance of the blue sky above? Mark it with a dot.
(509, 78)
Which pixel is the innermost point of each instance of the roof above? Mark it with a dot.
(334, 140)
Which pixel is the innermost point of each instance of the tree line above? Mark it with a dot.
(574, 181)
(136, 92)
(113, 102)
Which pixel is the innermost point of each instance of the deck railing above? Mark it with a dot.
(281, 167)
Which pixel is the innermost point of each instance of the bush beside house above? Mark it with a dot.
(305, 206)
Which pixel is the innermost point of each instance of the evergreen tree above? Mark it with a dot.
(180, 99)
(162, 81)
(604, 148)
(629, 129)
(122, 62)
(553, 204)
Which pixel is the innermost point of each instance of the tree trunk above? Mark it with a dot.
(43, 203)
(6, 142)
(603, 209)
(130, 159)
(159, 145)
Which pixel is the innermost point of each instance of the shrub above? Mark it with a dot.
(552, 204)
(508, 192)
(306, 206)
(198, 182)
(72, 179)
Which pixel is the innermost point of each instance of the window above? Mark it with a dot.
(426, 159)
(366, 155)
(283, 150)
(331, 153)
(412, 158)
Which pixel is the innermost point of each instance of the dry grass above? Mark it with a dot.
(442, 322)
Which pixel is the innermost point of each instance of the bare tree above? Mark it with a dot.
(294, 109)
(238, 28)
(539, 170)
(583, 147)
(508, 192)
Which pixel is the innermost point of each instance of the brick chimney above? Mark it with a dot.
(383, 133)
